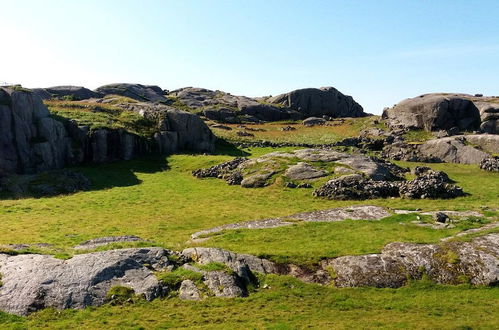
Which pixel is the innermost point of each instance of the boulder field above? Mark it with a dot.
(438, 111)
(32, 140)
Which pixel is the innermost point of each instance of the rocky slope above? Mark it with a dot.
(459, 112)
(31, 140)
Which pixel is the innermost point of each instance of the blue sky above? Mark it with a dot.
(380, 52)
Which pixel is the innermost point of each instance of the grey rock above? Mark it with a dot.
(316, 102)
(102, 241)
(434, 112)
(476, 261)
(192, 133)
(452, 150)
(312, 121)
(135, 91)
(256, 180)
(32, 282)
(74, 92)
(224, 285)
(242, 264)
(189, 291)
(303, 171)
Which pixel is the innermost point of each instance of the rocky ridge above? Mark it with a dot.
(31, 140)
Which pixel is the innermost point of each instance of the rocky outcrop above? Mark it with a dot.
(456, 262)
(300, 104)
(489, 114)
(31, 140)
(461, 149)
(434, 112)
(137, 92)
(32, 281)
(427, 184)
(452, 150)
(298, 165)
(318, 102)
(451, 112)
(69, 92)
(242, 264)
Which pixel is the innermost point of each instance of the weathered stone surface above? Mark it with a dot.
(189, 291)
(313, 121)
(361, 212)
(434, 112)
(74, 92)
(489, 115)
(303, 171)
(135, 91)
(256, 180)
(316, 102)
(452, 150)
(192, 132)
(241, 264)
(101, 241)
(33, 282)
(224, 107)
(224, 285)
(446, 263)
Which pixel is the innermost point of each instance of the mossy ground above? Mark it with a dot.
(159, 200)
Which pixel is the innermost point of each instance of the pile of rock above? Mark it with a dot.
(490, 164)
(219, 171)
(427, 184)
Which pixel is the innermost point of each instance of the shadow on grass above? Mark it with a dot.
(90, 177)
(225, 148)
(122, 173)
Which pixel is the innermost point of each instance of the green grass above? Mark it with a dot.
(287, 303)
(308, 243)
(418, 136)
(101, 116)
(159, 200)
(311, 135)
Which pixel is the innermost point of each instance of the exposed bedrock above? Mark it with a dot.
(31, 140)
(440, 111)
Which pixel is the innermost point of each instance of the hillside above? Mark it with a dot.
(135, 207)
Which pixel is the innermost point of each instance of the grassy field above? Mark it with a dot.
(272, 131)
(158, 199)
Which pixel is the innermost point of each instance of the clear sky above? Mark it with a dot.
(378, 51)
